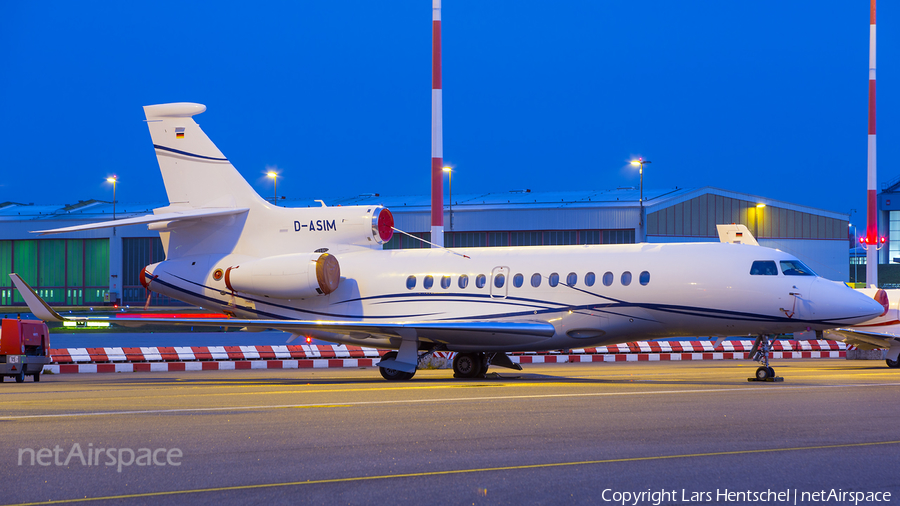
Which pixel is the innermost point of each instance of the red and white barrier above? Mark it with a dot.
(220, 358)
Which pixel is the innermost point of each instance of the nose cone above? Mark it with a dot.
(838, 303)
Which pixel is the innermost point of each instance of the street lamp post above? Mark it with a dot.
(274, 176)
(640, 163)
(449, 171)
(113, 180)
(855, 256)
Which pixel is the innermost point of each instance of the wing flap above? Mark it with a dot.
(439, 331)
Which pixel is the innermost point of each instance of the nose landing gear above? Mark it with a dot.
(760, 353)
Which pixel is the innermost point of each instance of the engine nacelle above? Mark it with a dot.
(360, 225)
(293, 276)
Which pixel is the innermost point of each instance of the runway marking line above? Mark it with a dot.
(448, 473)
(277, 392)
(436, 399)
(318, 406)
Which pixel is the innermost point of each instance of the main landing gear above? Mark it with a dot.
(465, 365)
(474, 365)
(760, 352)
(393, 374)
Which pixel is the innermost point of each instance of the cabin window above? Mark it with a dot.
(644, 278)
(572, 279)
(411, 282)
(589, 279)
(499, 279)
(428, 282)
(795, 268)
(463, 281)
(554, 279)
(445, 282)
(480, 280)
(763, 268)
(536, 280)
(626, 278)
(518, 280)
(608, 279)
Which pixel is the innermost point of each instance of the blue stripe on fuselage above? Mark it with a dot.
(604, 308)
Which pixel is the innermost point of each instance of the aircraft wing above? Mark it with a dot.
(188, 214)
(862, 339)
(433, 330)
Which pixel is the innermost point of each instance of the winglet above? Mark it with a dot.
(36, 305)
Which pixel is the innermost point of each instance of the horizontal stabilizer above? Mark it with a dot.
(189, 214)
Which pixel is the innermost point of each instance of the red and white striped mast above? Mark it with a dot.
(872, 240)
(437, 135)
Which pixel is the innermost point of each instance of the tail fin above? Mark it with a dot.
(195, 172)
(736, 233)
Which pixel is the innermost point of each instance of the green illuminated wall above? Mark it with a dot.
(62, 271)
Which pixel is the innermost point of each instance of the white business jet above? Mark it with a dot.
(322, 272)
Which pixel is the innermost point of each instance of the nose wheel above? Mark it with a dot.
(760, 352)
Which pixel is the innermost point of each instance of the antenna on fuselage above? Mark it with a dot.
(433, 245)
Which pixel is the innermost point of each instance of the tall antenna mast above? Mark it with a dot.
(437, 135)
(872, 241)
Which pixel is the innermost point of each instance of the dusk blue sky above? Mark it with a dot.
(762, 97)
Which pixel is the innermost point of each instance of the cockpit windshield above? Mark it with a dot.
(764, 268)
(795, 268)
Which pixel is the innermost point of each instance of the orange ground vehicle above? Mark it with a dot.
(24, 348)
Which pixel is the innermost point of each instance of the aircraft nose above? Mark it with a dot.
(840, 302)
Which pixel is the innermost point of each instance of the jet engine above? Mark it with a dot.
(292, 276)
(359, 225)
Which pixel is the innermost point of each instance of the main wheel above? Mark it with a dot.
(393, 374)
(763, 373)
(893, 364)
(20, 378)
(468, 365)
(37, 377)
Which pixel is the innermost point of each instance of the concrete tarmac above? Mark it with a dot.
(682, 433)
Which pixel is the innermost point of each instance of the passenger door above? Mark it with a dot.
(499, 276)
